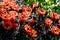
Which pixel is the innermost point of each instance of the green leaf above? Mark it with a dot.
(46, 0)
(48, 14)
(35, 1)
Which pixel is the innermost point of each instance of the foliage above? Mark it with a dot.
(49, 5)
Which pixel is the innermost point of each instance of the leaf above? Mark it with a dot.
(48, 14)
(46, 0)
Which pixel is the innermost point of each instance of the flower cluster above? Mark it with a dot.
(10, 12)
(30, 31)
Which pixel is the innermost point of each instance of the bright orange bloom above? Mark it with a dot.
(41, 12)
(6, 16)
(48, 22)
(33, 33)
(34, 6)
(54, 15)
(28, 28)
(7, 25)
(55, 30)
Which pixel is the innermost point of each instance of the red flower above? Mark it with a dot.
(32, 22)
(6, 16)
(30, 31)
(26, 13)
(16, 7)
(55, 30)
(7, 25)
(7, 8)
(33, 33)
(12, 4)
(7, 0)
(13, 13)
(15, 25)
(26, 8)
(34, 6)
(1, 10)
(3, 4)
(24, 16)
(13, 19)
(41, 12)
(48, 22)
(27, 28)
(54, 15)
(29, 10)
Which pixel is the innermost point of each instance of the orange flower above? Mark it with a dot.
(7, 8)
(7, 0)
(30, 31)
(26, 13)
(16, 7)
(32, 22)
(41, 12)
(13, 18)
(34, 6)
(29, 10)
(33, 33)
(48, 22)
(26, 8)
(55, 30)
(27, 28)
(15, 25)
(7, 25)
(1, 10)
(12, 3)
(6, 16)
(54, 15)
(23, 18)
(13, 13)
(3, 4)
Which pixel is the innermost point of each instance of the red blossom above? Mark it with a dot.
(48, 22)
(55, 30)
(41, 12)
(54, 15)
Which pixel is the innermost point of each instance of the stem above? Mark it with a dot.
(55, 37)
